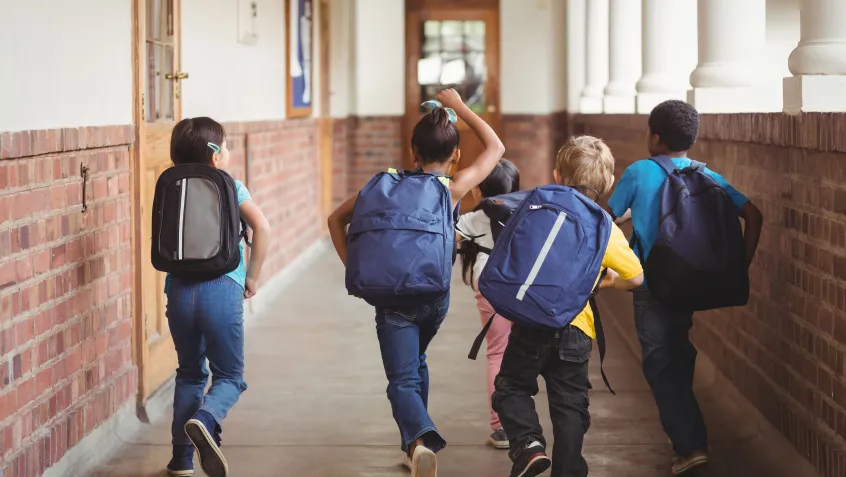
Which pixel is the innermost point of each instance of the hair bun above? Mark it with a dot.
(439, 117)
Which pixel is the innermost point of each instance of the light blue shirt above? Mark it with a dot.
(639, 189)
(240, 273)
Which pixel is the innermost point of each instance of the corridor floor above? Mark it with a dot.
(316, 403)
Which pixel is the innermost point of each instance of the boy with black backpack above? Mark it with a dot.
(553, 254)
(200, 216)
(696, 257)
(399, 253)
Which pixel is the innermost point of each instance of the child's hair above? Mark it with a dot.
(189, 142)
(434, 138)
(676, 123)
(503, 179)
(586, 161)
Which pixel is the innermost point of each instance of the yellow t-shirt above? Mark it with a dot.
(620, 258)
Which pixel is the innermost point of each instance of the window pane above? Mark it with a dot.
(151, 104)
(429, 70)
(159, 20)
(452, 36)
(158, 103)
(167, 84)
(474, 35)
(453, 55)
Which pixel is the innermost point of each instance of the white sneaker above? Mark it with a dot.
(423, 463)
(406, 462)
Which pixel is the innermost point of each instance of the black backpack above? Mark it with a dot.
(698, 261)
(197, 225)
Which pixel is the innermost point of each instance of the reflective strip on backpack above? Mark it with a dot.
(181, 231)
(550, 239)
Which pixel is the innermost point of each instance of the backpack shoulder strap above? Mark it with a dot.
(666, 163)
(600, 332)
(697, 166)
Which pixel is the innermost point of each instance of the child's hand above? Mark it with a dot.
(610, 277)
(250, 288)
(449, 98)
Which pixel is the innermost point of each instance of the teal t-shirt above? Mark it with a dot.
(240, 273)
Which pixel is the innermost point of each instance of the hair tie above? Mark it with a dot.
(432, 104)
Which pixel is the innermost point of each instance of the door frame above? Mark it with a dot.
(140, 351)
(418, 11)
(326, 128)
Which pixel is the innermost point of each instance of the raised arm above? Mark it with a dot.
(466, 179)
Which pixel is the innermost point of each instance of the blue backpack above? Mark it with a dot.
(698, 261)
(400, 244)
(543, 269)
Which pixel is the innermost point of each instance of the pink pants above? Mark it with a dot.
(497, 339)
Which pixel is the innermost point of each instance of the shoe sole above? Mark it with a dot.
(180, 473)
(425, 465)
(502, 445)
(692, 463)
(211, 458)
(537, 466)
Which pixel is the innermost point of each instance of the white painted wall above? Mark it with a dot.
(231, 81)
(341, 64)
(65, 63)
(782, 35)
(533, 56)
(380, 57)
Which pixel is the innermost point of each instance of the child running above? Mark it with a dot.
(408, 237)
(561, 356)
(475, 230)
(206, 319)
(669, 357)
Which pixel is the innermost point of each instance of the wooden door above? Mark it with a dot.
(326, 123)
(157, 108)
(453, 45)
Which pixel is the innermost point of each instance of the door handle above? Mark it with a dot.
(177, 76)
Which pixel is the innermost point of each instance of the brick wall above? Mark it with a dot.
(786, 350)
(341, 156)
(531, 142)
(65, 323)
(375, 145)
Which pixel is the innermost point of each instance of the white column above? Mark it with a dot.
(576, 58)
(818, 64)
(669, 51)
(731, 76)
(597, 56)
(625, 56)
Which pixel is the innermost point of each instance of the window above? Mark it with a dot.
(453, 56)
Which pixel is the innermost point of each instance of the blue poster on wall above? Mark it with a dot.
(300, 54)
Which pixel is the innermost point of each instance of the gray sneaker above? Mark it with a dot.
(499, 440)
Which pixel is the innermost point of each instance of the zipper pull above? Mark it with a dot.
(535, 207)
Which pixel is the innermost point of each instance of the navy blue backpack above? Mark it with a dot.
(543, 269)
(401, 240)
(698, 261)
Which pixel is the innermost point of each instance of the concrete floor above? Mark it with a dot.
(316, 403)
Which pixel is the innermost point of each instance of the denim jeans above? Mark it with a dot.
(561, 357)
(669, 359)
(404, 334)
(206, 319)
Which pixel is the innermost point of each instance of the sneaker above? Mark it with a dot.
(532, 461)
(201, 429)
(423, 463)
(499, 440)
(684, 464)
(182, 463)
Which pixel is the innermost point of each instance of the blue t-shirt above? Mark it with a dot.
(240, 273)
(640, 190)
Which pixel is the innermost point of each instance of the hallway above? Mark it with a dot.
(316, 402)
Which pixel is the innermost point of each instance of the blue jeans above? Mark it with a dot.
(669, 359)
(206, 320)
(404, 334)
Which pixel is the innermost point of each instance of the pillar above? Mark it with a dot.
(669, 52)
(624, 64)
(597, 56)
(731, 75)
(576, 57)
(818, 63)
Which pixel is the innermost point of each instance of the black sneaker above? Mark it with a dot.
(201, 429)
(499, 440)
(182, 463)
(532, 461)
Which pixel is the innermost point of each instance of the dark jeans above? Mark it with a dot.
(562, 359)
(669, 359)
(404, 334)
(207, 321)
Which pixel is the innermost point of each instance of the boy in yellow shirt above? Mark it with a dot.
(561, 356)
